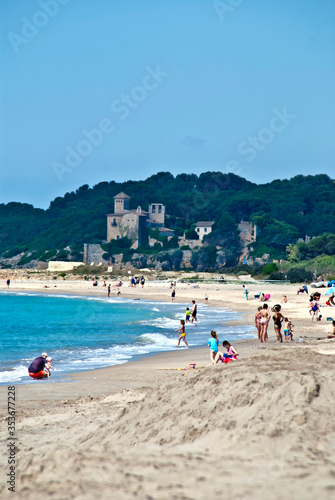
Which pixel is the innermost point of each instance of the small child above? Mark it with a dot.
(288, 330)
(181, 333)
(47, 366)
(188, 315)
(231, 351)
(213, 343)
(206, 298)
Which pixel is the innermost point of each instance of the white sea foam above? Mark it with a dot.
(13, 375)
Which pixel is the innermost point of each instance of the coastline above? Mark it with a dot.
(145, 427)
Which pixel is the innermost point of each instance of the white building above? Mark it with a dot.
(203, 228)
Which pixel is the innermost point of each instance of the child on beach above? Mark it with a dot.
(48, 366)
(181, 333)
(213, 343)
(288, 330)
(231, 351)
(188, 315)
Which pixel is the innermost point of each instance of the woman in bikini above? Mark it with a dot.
(258, 317)
(278, 319)
(264, 322)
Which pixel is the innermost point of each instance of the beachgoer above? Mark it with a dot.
(314, 310)
(288, 330)
(8, 283)
(36, 368)
(283, 300)
(194, 312)
(213, 343)
(95, 283)
(246, 291)
(262, 297)
(231, 351)
(332, 335)
(48, 366)
(173, 294)
(258, 318)
(206, 298)
(142, 281)
(108, 290)
(264, 322)
(181, 333)
(188, 315)
(278, 318)
(104, 283)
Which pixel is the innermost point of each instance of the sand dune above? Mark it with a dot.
(263, 428)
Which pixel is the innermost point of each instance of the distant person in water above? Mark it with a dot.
(36, 368)
(194, 312)
(188, 315)
(181, 333)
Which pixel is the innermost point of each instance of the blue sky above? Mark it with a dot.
(183, 85)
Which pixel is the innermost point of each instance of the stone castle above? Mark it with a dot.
(125, 222)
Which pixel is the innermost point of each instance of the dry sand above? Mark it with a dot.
(259, 428)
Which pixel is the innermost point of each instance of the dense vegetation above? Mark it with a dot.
(284, 210)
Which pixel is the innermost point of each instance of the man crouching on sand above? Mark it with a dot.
(36, 368)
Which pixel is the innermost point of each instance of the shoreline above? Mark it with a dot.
(226, 299)
(70, 376)
(256, 429)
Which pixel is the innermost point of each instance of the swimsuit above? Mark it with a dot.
(287, 332)
(263, 321)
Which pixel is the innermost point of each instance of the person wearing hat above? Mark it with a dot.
(36, 368)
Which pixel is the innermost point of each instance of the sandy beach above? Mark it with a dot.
(258, 428)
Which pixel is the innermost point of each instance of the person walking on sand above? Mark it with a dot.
(108, 290)
(246, 291)
(173, 294)
(278, 319)
(8, 283)
(264, 322)
(194, 312)
(181, 333)
(288, 330)
(213, 343)
(314, 311)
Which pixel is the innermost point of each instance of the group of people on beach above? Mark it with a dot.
(262, 320)
(190, 317)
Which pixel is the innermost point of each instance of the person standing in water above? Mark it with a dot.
(194, 312)
(181, 333)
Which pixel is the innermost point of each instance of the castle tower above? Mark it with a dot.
(157, 213)
(121, 203)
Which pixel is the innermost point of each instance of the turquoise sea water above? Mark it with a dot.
(83, 333)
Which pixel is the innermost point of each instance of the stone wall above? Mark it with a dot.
(93, 254)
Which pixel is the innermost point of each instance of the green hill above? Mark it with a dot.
(284, 210)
